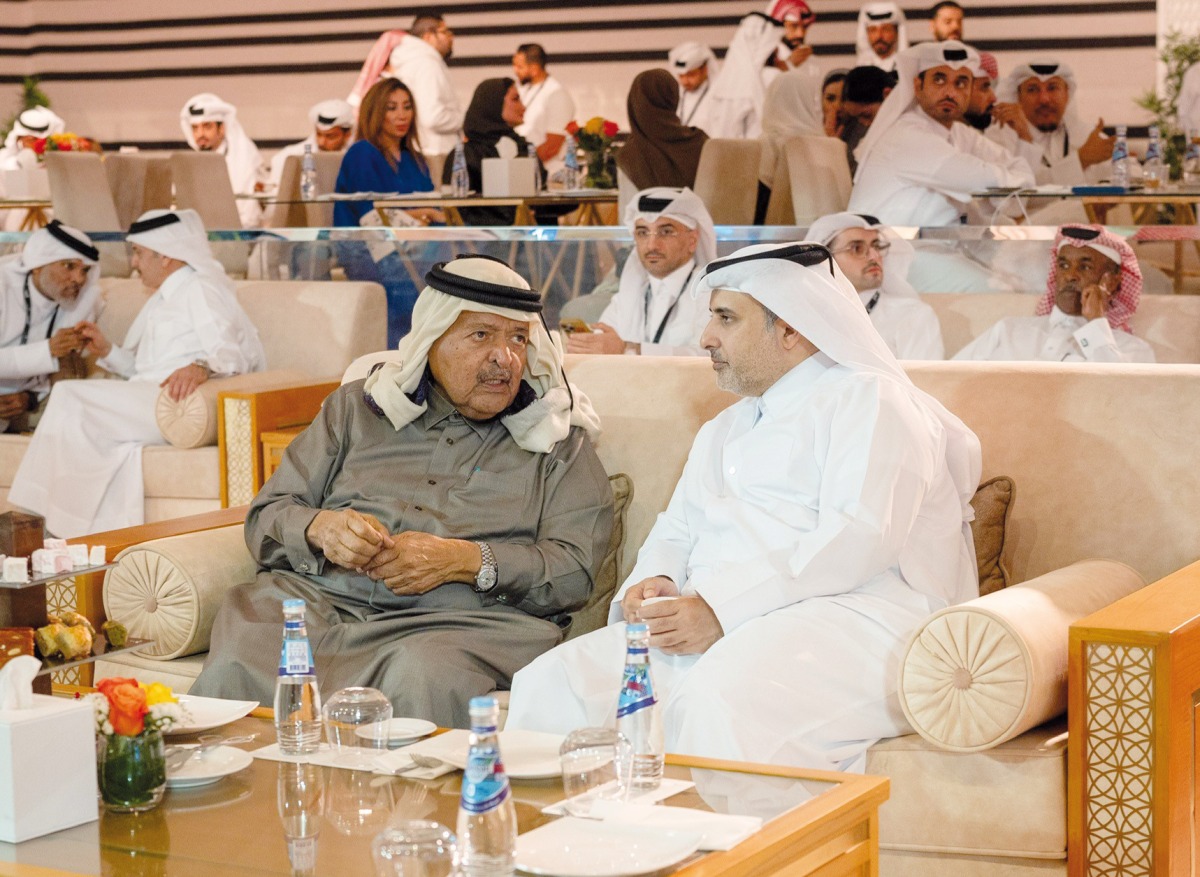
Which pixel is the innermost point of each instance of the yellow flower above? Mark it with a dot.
(595, 125)
(157, 693)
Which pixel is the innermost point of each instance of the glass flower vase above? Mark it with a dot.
(601, 169)
(132, 771)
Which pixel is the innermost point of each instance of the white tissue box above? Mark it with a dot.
(509, 177)
(47, 768)
(29, 183)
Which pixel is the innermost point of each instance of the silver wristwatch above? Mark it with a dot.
(485, 579)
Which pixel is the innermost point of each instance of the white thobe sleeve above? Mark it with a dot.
(956, 171)
(27, 360)
(621, 313)
(119, 361)
(984, 347)
(879, 461)
(1099, 343)
(220, 336)
(921, 337)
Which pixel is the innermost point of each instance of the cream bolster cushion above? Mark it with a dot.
(984, 671)
(169, 590)
(192, 421)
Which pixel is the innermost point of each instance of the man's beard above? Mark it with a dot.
(979, 121)
(793, 44)
(1048, 128)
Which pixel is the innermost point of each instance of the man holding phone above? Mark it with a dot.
(1091, 295)
(654, 312)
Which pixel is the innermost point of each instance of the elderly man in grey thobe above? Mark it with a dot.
(440, 518)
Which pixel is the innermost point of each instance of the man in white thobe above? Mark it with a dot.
(45, 290)
(881, 36)
(1092, 292)
(1034, 118)
(332, 124)
(549, 107)
(31, 125)
(211, 125)
(763, 46)
(876, 264)
(654, 312)
(83, 468)
(696, 68)
(919, 164)
(419, 61)
(817, 523)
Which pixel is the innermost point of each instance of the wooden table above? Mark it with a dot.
(274, 443)
(592, 205)
(234, 828)
(36, 211)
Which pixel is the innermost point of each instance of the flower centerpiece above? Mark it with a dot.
(66, 142)
(595, 138)
(130, 762)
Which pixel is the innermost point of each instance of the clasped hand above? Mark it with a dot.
(684, 626)
(408, 563)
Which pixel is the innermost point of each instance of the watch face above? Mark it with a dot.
(486, 580)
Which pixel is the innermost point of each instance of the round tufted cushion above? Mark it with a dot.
(168, 590)
(980, 673)
(192, 421)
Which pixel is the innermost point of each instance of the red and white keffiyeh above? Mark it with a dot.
(1124, 302)
(791, 10)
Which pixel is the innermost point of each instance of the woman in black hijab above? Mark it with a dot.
(495, 110)
(661, 150)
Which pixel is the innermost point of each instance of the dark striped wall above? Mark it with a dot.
(120, 69)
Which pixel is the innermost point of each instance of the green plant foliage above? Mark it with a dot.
(1179, 53)
(31, 96)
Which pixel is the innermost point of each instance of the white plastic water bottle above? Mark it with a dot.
(487, 820)
(1155, 171)
(460, 180)
(531, 152)
(1119, 176)
(570, 164)
(308, 174)
(639, 716)
(297, 698)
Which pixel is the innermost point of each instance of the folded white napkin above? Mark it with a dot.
(720, 831)
(666, 789)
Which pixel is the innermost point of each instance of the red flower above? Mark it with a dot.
(39, 146)
(126, 705)
(610, 129)
(572, 128)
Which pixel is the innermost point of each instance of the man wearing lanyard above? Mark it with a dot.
(654, 312)
(44, 291)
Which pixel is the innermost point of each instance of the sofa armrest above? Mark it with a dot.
(191, 422)
(244, 416)
(982, 672)
(1134, 682)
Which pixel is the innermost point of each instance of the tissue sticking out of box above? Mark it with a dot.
(16, 683)
(16, 569)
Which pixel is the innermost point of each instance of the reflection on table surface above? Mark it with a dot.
(246, 823)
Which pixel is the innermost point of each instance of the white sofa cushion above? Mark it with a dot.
(168, 590)
(1008, 801)
(980, 673)
(191, 422)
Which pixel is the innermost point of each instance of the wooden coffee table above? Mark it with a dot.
(233, 827)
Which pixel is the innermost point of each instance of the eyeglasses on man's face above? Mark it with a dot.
(859, 249)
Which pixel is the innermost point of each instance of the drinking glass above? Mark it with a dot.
(356, 724)
(596, 764)
(414, 848)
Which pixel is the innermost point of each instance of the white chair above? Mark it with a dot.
(81, 198)
(819, 172)
(727, 180)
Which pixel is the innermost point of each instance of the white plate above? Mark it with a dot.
(571, 847)
(401, 730)
(527, 755)
(208, 767)
(206, 713)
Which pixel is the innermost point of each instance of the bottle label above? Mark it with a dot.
(1120, 150)
(295, 659)
(636, 690)
(485, 784)
(1153, 150)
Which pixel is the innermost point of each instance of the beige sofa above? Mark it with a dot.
(1100, 458)
(309, 331)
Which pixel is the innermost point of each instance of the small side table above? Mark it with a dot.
(274, 443)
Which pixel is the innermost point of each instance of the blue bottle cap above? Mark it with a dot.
(637, 627)
(482, 702)
(293, 603)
